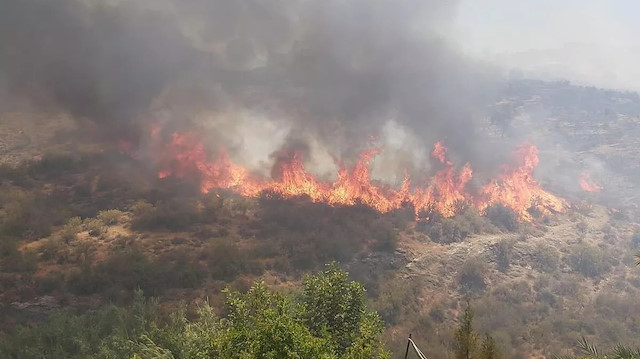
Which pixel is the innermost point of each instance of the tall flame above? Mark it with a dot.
(515, 187)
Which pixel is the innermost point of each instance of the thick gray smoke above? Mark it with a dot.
(333, 71)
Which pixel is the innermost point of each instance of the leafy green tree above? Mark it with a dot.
(261, 324)
(334, 309)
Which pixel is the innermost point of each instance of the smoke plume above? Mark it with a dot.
(332, 72)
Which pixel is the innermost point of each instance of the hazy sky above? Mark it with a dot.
(587, 41)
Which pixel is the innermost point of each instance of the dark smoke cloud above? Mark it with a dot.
(333, 69)
(100, 61)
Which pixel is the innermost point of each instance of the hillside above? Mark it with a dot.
(85, 223)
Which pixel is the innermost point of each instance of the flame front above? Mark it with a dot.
(517, 189)
(444, 192)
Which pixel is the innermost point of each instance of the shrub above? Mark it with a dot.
(130, 269)
(8, 247)
(213, 205)
(28, 215)
(385, 235)
(589, 261)
(143, 215)
(503, 217)
(475, 222)
(446, 231)
(504, 251)
(437, 312)
(582, 228)
(50, 283)
(226, 260)
(545, 259)
(176, 214)
(110, 217)
(86, 281)
(94, 226)
(56, 162)
(396, 300)
(472, 275)
(51, 248)
(83, 251)
(71, 229)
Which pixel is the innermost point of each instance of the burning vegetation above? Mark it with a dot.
(587, 184)
(444, 192)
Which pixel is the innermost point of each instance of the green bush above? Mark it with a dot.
(110, 217)
(52, 248)
(143, 215)
(455, 229)
(226, 260)
(177, 214)
(130, 269)
(313, 233)
(545, 259)
(57, 162)
(448, 231)
(504, 251)
(94, 226)
(28, 215)
(471, 275)
(70, 230)
(397, 301)
(589, 261)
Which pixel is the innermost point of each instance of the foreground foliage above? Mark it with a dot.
(588, 350)
(327, 320)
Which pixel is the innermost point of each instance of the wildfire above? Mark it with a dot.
(515, 187)
(587, 184)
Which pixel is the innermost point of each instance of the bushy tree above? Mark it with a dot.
(334, 308)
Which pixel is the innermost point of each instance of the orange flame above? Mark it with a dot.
(439, 152)
(587, 184)
(515, 188)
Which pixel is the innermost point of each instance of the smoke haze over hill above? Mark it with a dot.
(326, 72)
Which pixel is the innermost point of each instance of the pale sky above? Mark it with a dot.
(586, 41)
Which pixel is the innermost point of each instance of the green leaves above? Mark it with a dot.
(328, 320)
(334, 308)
